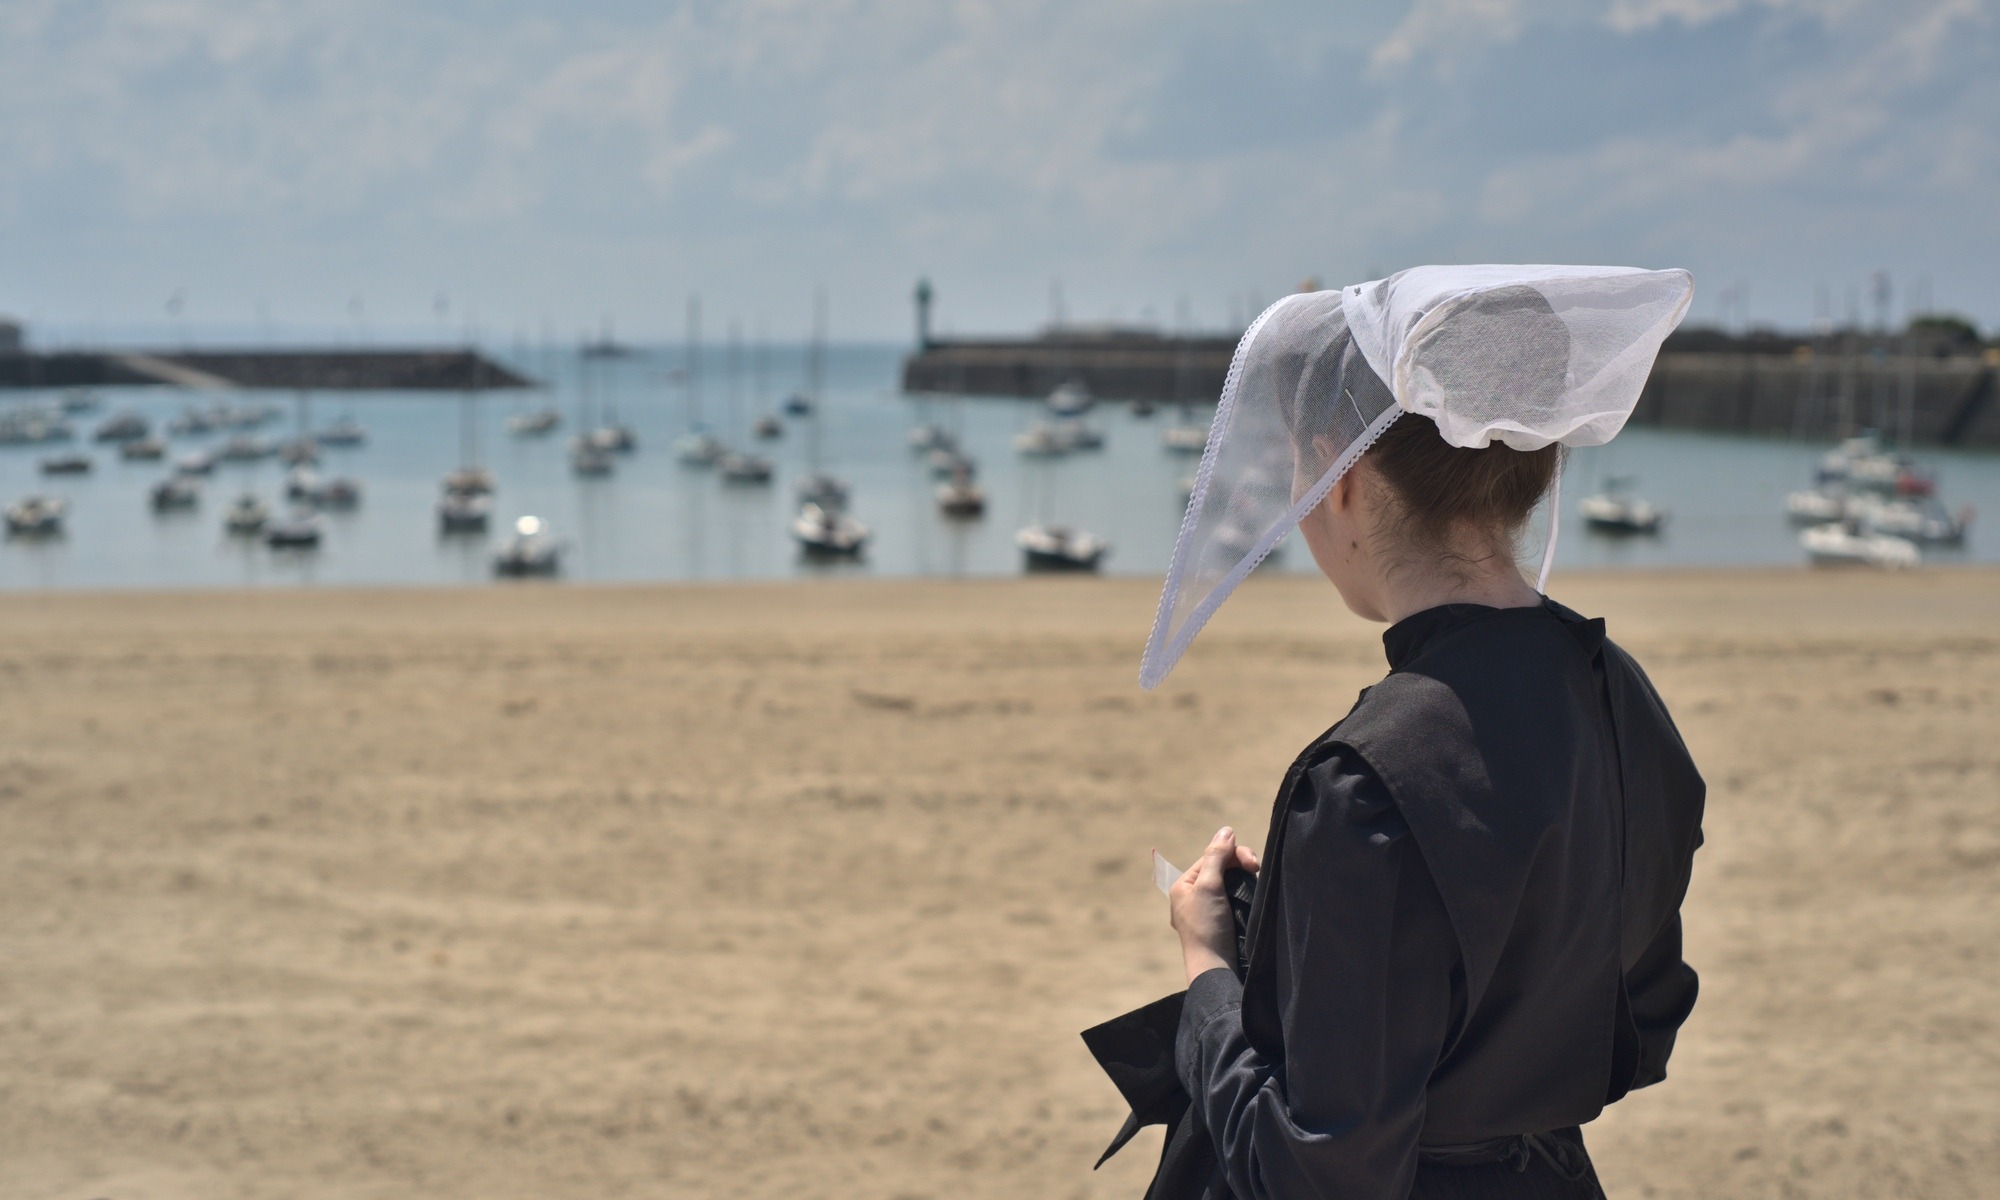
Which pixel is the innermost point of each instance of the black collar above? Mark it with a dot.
(1408, 637)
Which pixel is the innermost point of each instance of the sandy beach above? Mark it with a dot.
(805, 890)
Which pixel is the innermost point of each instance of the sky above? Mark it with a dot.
(385, 169)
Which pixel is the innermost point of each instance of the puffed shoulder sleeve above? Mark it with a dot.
(1366, 956)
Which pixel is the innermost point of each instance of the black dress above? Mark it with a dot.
(1465, 941)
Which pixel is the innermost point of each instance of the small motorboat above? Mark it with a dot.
(302, 530)
(36, 516)
(175, 493)
(302, 484)
(30, 427)
(826, 491)
(145, 449)
(929, 436)
(530, 550)
(469, 481)
(1060, 548)
(961, 497)
(766, 428)
(461, 512)
(1924, 521)
(746, 468)
(345, 432)
(587, 460)
(1184, 438)
(66, 464)
(1042, 440)
(1845, 544)
(245, 447)
(614, 439)
(797, 405)
(245, 416)
(246, 517)
(1610, 511)
(339, 493)
(698, 449)
(193, 423)
(1142, 408)
(1817, 506)
(1070, 399)
(201, 462)
(827, 533)
(946, 463)
(1081, 435)
(78, 401)
(538, 423)
(125, 426)
(299, 451)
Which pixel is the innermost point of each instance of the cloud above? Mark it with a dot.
(621, 154)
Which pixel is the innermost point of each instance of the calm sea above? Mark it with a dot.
(656, 519)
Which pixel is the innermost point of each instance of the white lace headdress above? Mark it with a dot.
(1527, 355)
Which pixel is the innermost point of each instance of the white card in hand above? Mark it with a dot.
(1164, 873)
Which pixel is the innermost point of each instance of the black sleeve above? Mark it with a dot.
(1366, 955)
(1660, 989)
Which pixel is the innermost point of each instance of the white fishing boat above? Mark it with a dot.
(929, 436)
(302, 530)
(66, 464)
(614, 438)
(1070, 399)
(175, 493)
(345, 432)
(588, 461)
(530, 550)
(339, 493)
(469, 481)
(538, 423)
(245, 447)
(698, 449)
(1184, 438)
(460, 512)
(1924, 521)
(1043, 439)
(247, 516)
(36, 516)
(125, 426)
(824, 532)
(1845, 544)
(302, 485)
(146, 449)
(193, 422)
(1081, 435)
(1611, 511)
(746, 468)
(821, 489)
(961, 497)
(299, 451)
(946, 463)
(1817, 506)
(1060, 548)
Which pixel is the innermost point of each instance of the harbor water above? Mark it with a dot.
(655, 518)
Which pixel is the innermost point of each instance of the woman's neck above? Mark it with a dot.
(1407, 592)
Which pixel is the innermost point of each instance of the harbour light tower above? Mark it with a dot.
(923, 298)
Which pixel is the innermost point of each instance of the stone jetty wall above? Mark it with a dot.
(1784, 389)
(306, 370)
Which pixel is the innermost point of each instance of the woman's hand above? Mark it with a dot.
(1200, 909)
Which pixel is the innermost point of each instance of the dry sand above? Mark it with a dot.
(801, 891)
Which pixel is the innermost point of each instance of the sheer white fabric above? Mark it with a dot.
(1528, 355)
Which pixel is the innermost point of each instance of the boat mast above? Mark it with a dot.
(691, 365)
(814, 367)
